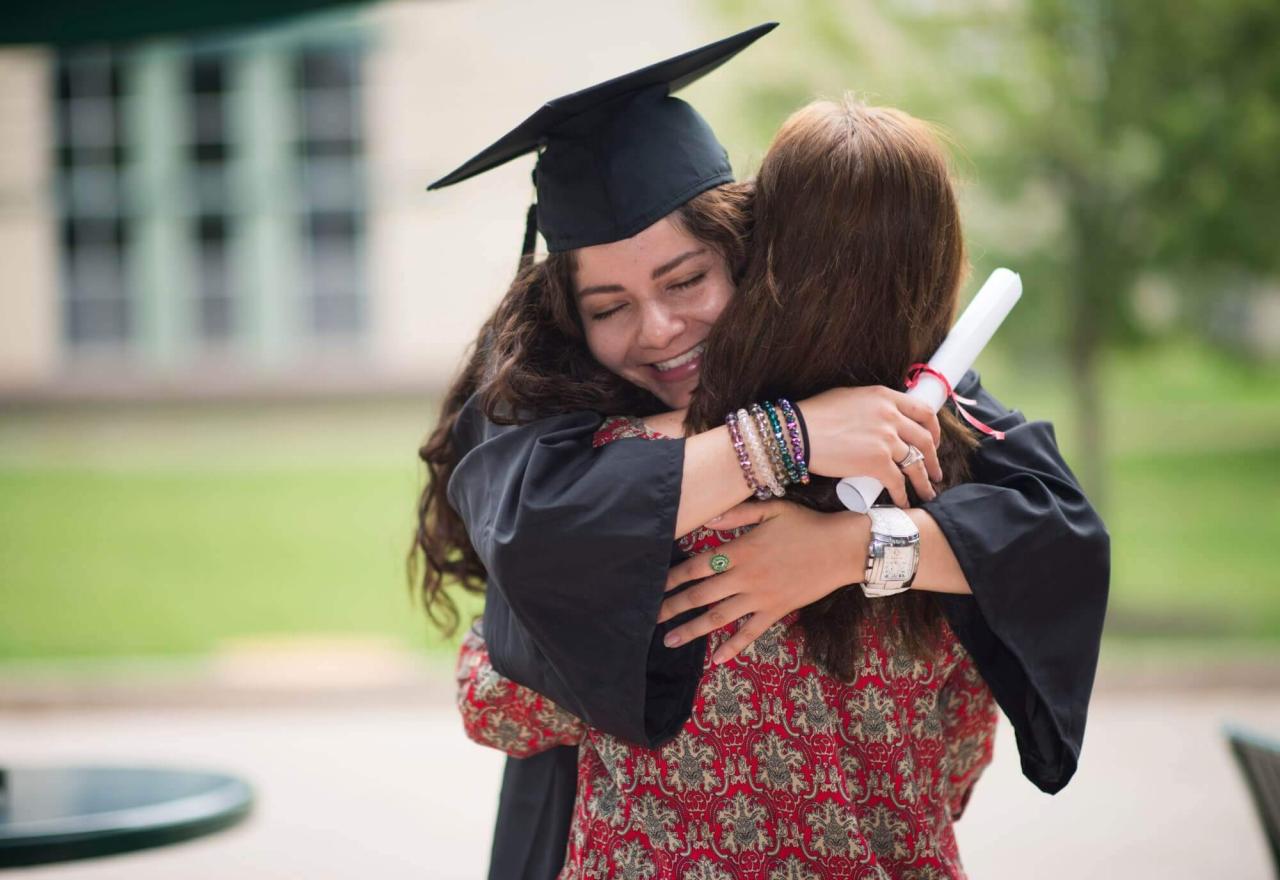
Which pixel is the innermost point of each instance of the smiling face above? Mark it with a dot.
(647, 304)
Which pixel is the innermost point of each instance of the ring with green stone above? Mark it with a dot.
(719, 563)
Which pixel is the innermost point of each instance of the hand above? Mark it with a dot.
(793, 557)
(865, 432)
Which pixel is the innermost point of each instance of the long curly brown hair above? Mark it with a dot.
(856, 264)
(530, 360)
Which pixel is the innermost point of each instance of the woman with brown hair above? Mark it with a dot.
(848, 736)
(574, 543)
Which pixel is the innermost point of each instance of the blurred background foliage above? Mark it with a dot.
(1117, 150)
(1121, 157)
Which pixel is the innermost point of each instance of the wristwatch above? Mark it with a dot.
(894, 553)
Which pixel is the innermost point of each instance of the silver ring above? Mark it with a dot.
(913, 455)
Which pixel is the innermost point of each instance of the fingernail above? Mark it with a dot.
(716, 519)
(671, 640)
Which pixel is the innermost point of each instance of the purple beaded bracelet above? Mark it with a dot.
(744, 461)
(797, 446)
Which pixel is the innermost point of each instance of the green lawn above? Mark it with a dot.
(172, 560)
(170, 530)
(161, 529)
(1196, 543)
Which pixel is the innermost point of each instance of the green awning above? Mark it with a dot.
(70, 22)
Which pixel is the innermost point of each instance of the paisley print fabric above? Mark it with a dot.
(782, 772)
(501, 714)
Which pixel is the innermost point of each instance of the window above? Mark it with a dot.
(97, 307)
(209, 152)
(211, 196)
(331, 191)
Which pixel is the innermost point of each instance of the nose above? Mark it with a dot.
(659, 326)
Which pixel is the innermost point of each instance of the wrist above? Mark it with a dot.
(893, 557)
(853, 539)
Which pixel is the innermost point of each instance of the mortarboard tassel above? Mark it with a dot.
(530, 236)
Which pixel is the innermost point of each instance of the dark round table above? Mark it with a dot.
(54, 814)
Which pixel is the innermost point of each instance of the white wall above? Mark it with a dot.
(28, 270)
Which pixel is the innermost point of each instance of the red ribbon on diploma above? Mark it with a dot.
(913, 378)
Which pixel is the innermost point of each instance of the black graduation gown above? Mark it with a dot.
(535, 810)
(577, 543)
(1038, 559)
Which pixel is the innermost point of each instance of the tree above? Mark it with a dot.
(1125, 140)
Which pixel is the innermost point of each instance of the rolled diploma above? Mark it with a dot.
(953, 359)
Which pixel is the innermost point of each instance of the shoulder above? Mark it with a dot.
(622, 427)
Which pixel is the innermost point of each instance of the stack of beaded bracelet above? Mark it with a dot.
(768, 462)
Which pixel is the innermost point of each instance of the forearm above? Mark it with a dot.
(939, 570)
(712, 481)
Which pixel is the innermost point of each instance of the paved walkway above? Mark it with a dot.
(394, 791)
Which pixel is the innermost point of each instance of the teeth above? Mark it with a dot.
(663, 366)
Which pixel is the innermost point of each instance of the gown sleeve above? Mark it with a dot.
(577, 542)
(1038, 559)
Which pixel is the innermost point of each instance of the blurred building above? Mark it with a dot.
(247, 213)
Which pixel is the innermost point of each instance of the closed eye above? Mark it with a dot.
(600, 316)
(690, 282)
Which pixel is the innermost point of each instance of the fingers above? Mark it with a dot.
(919, 412)
(748, 513)
(915, 473)
(693, 568)
(698, 596)
(690, 570)
(719, 615)
(920, 438)
(892, 477)
(920, 481)
(746, 634)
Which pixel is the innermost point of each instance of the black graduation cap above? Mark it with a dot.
(619, 156)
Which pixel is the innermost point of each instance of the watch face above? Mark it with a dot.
(898, 565)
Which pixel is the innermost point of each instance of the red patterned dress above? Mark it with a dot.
(782, 772)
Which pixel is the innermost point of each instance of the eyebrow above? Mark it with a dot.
(600, 288)
(655, 275)
(668, 266)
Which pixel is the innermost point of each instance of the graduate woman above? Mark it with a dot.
(575, 543)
